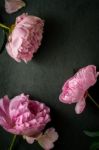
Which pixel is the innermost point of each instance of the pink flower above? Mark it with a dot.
(23, 116)
(12, 6)
(46, 140)
(75, 88)
(25, 38)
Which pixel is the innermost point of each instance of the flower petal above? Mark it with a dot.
(80, 106)
(48, 138)
(29, 140)
(12, 6)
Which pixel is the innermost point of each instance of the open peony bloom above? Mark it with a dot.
(25, 38)
(75, 88)
(46, 140)
(12, 6)
(22, 116)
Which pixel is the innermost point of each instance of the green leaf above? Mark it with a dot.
(92, 134)
(94, 146)
(2, 47)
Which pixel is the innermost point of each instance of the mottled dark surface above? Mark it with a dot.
(71, 41)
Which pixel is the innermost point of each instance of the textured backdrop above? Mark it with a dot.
(71, 41)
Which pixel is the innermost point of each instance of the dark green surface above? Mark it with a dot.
(71, 41)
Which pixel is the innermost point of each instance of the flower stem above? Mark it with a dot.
(93, 100)
(12, 143)
(4, 27)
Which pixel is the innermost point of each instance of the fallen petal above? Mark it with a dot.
(12, 6)
(48, 138)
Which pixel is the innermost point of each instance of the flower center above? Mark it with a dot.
(33, 107)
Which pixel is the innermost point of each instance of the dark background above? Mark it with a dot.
(71, 41)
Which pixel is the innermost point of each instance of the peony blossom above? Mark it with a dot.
(75, 89)
(22, 116)
(45, 140)
(12, 6)
(25, 38)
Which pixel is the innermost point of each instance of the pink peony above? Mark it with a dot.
(23, 116)
(25, 38)
(12, 6)
(75, 89)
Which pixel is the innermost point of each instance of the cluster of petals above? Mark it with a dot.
(26, 117)
(22, 116)
(75, 89)
(25, 38)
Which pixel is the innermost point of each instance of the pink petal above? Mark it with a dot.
(4, 112)
(79, 108)
(52, 134)
(29, 140)
(6, 104)
(47, 140)
(45, 143)
(12, 6)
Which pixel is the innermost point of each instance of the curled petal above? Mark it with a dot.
(80, 106)
(5, 120)
(29, 140)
